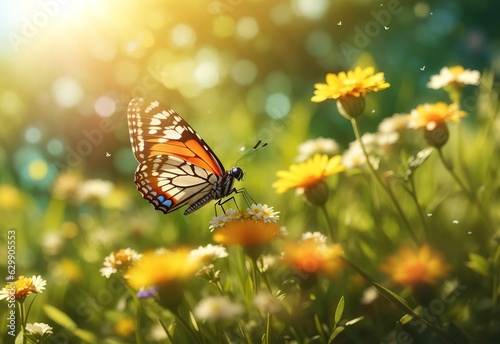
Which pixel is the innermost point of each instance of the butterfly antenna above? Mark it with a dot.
(255, 147)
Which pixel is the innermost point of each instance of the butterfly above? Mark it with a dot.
(176, 166)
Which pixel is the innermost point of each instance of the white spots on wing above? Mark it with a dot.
(155, 121)
(455, 222)
(172, 134)
(180, 130)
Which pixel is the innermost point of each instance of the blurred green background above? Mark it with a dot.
(232, 68)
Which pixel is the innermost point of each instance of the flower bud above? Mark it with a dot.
(170, 295)
(437, 136)
(350, 106)
(317, 194)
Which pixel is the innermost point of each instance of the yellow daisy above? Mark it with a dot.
(307, 174)
(159, 268)
(355, 83)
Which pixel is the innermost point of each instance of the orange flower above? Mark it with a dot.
(409, 268)
(246, 233)
(23, 287)
(429, 116)
(312, 257)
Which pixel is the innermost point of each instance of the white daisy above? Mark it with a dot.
(119, 261)
(314, 236)
(38, 330)
(217, 308)
(263, 212)
(454, 75)
(319, 145)
(209, 252)
(95, 190)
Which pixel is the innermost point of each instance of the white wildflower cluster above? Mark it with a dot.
(376, 144)
(318, 145)
(119, 261)
(256, 212)
(454, 75)
(209, 252)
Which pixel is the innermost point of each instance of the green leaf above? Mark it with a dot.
(60, 317)
(335, 333)
(478, 264)
(194, 322)
(415, 161)
(86, 336)
(65, 321)
(394, 298)
(19, 337)
(317, 323)
(353, 321)
(339, 310)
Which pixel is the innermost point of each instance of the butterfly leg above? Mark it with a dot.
(246, 196)
(220, 203)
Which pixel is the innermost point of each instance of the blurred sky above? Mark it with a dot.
(69, 67)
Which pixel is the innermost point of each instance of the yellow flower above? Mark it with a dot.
(23, 287)
(410, 268)
(307, 174)
(429, 116)
(354, 83)
(312, 257)
(10, 198)
(455, 76)
(124, 327)
(66, 186)
(159, 268)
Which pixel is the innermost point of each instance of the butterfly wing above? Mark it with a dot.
(176, 166)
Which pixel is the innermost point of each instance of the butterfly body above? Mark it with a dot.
(176, 166)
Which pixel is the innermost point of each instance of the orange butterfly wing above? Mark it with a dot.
(176, 166)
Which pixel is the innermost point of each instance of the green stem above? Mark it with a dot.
(20, 306)
(413, 195)
(138, 337)
(470, 194)
(389, 193)
(268, 328)
(328, 223)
